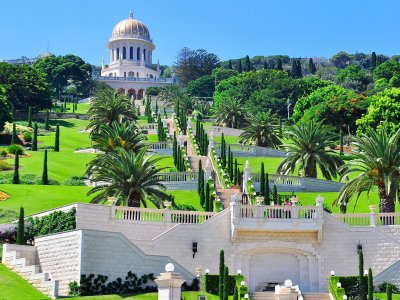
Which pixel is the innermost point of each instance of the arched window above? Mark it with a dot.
(138, 53)
(131, 74)
(117, 53)
(112, 55)
(144, 54)
(131, 53)
(123, 53)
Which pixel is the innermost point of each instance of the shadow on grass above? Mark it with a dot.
(62, 123)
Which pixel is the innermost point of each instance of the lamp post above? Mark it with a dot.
(289, 102)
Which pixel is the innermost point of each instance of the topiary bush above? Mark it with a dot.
(211, 283)
(28, 137)
(74, 181)
(3, 152)
(99, 285)
(15, 149)
(55, 222)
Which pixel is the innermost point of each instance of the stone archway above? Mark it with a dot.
(140, 94)
(121, 91)
(275, 261)
(132, 94)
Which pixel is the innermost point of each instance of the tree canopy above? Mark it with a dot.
(62, 70)
(5, 114)
(192, 64)
(25, 86)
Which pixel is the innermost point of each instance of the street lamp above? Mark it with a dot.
(289, 102)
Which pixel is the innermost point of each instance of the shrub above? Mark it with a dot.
(15, 149)
(28, 137)
(7, 215)
(21, 228)
(20, 128)
(74, 181)
(46, 148)
(55, 222)
(383, 286)
(4, 166)
(98, 285)
(194, 286)
(73, 289)
(188, 207)
(3, 152)
(211, 283)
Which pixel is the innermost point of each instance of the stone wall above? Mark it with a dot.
(59, 255)
(180, 185)
(306, 185)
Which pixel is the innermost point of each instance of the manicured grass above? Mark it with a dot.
(37, 198)
(150, 296)
(229, 139)
(383, 296)
(187, 197)
(13, 287)
(152, 138)
(270, 163)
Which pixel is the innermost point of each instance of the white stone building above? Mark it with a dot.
(131, 57)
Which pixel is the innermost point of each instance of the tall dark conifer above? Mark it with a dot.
(45, 176)
(279, 64)
(221, 273)
(240, 70)
(57, 139)
(262, 180)
(247, 64)
(16, 170)
(373, 60)
(21, 228)
(311, 66)
(30, 117)
(35, 138)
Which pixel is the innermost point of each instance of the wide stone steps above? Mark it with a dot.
(264, 296)
(21, 259)
(316, 296)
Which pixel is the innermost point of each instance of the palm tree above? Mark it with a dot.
(307, 147)
(261, 131)
(131, 178)
(124, 135)
(108, 107)
(377, 163)
(231, 113)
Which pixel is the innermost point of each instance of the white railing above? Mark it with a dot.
(158, 145)
(149, 126)
(369, 219)
(236, 147)
(278, 212)
(178, 176)
(113, 78)
(279, 179)
(160, 215)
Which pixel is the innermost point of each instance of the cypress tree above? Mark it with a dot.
(228, 167)
(225, 283)
(230, 65)
(247, 64)
(165, 113)
(221, 273)
(21, 228)
(30, 117)
(240, 66)
(231, 166)
(16, 170)
(389, 292)
(14, 137)
(279, 64)
(45, 176)
(201, 177)
(235, 293)
(370, 285)
(156, 109)
(262, 180)
(361, 274)
(73, 107)
(223, 151)
(207, 196)
(275, 195)
(174, 149)
(35, 136)
(265, 65)
(236, 173)
(311, 66)
(46, 120)
(57, 139)
(266, 196)
(203, 199)
(373, 60)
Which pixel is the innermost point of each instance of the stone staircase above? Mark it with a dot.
(316, 296)
(264, 296)
(23, 261)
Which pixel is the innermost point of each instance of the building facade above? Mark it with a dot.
(130, 60)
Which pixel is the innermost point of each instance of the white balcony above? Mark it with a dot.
(262, 218)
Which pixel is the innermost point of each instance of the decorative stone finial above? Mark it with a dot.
(169, 267)
(131, 14)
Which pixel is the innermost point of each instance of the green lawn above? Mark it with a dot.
(152, 138)
(13, 287)
(270, 163)
(187, 197)
(383, 296)
(229, 139)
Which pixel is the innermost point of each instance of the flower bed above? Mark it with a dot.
(176, 125)
(3, 196)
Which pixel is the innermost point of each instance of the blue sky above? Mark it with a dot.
(228, 28)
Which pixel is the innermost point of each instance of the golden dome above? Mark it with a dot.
(131, 28)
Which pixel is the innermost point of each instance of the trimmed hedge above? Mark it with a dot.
(346, 281)
(210, 283)
(55, 222)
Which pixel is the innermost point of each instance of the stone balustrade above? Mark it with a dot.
(369, 219)
(159, 145)
(178, 176)
(159, 215)
(278, 179)
(240, 150)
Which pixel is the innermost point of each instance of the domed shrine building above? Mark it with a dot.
(131, 54)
